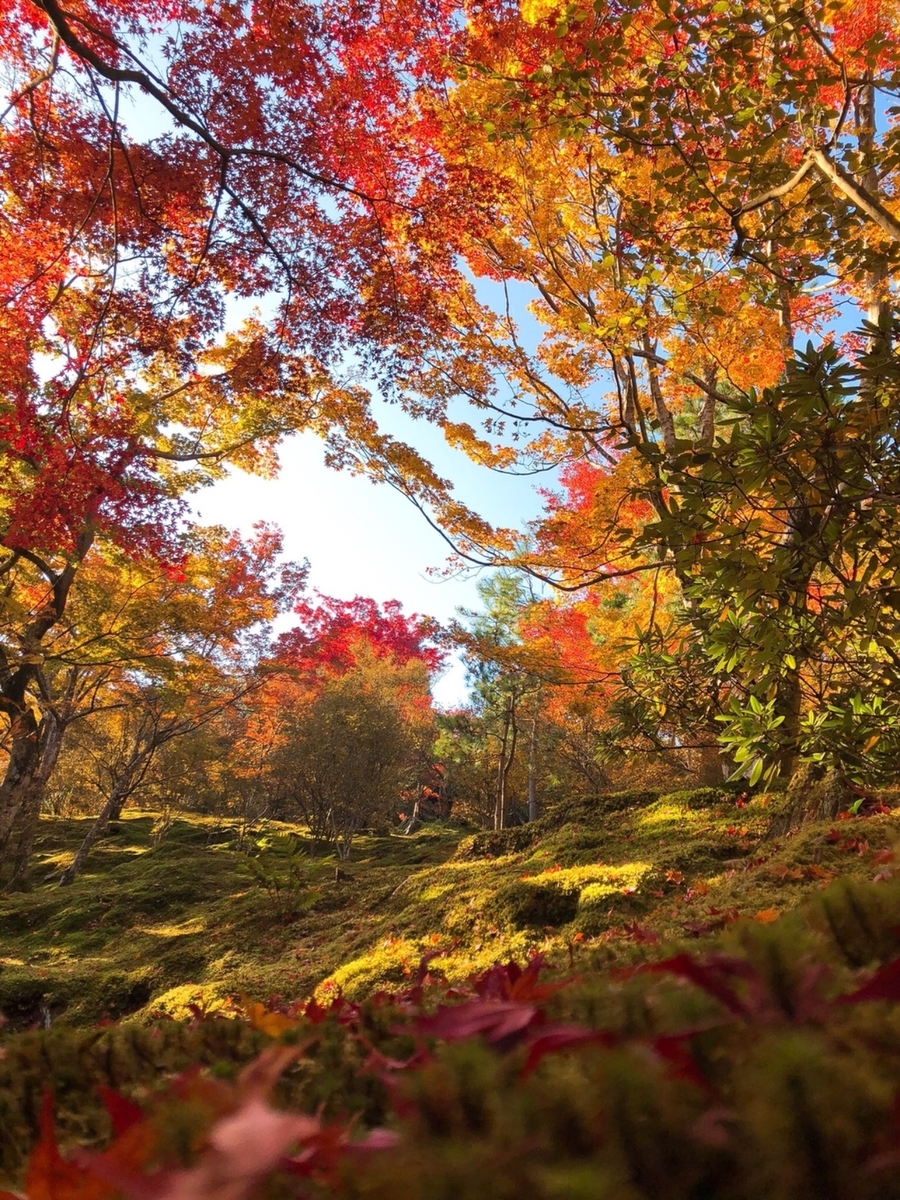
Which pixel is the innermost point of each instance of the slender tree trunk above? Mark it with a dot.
(878, 305)
(96, 830)
(125, 781)
(532, 766)
(500, 800)
(788, 705)
(504, 763)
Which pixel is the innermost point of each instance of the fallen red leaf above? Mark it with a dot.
(711, 975)
(509, 981)
(639, 933)
(494, 1020)
(884, 985)
(554, 1038)
(123, 1113)
(49, 1176)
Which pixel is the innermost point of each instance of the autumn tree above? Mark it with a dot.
(362, 741)
(259, 166)
(687, 191)
(132, 628)
(149, 714)
(506, 675)
(341, 734)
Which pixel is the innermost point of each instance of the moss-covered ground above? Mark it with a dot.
(155, 926)
(723, 1022)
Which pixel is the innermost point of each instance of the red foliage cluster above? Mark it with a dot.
(329, 633)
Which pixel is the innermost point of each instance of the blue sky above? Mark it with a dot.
(365, 539)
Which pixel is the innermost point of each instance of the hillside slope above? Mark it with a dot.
(154, 928)
(725, 1023)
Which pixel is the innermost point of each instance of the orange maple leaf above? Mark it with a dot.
(767, 916)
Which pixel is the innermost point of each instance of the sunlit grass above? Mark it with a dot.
(671, 814)
(192, 925)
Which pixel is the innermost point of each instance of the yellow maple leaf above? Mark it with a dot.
(272, 1023)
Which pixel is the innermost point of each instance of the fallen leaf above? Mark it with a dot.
(49, 1176)
(814, 871)
(884, 985)
(767, 916)
(494, 1020)
(553, 1039)
(639, 933)
(242, 1149)
(261, 1018)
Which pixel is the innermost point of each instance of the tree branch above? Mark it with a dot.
(59, 21)
(859, 196)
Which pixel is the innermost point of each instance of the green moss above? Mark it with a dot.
(497, 844)
(523, 904)
(798, 1092)
(706, 797)
(187, 914)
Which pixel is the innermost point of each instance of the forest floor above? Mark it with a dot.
(697, 1010)
(165, 926)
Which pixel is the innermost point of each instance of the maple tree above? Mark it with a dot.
(137, 637)
(354, 748)
(128, 242)
(342, 729)
(328, 635)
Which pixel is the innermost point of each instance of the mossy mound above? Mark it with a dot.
(498, 843)
(527, 905)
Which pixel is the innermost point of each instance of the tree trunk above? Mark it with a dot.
(129, 778)
(814, 794)
(96, 831)
(533, 813)
(17, 848)
(24, 756)
(116, 811)
(505, 761)
(20, 841)
(878, 303)
(788, 704)
(21, 771)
